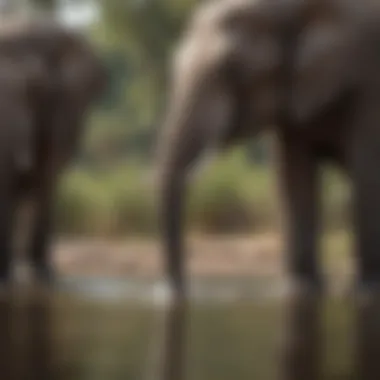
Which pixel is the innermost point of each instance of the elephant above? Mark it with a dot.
(50, 76)
(307, 72)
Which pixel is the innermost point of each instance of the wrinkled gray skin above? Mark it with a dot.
(310, 68)
(48, 79)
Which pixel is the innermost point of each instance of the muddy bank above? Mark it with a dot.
(220, 256)
(206, 256)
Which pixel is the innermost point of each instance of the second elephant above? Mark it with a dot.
(311, 69)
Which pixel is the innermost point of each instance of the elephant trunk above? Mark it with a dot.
(180, 150)
(173, 219)
(198, 118)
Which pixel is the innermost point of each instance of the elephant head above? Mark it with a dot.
(243, 66)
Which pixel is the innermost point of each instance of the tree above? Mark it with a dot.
(44, 4)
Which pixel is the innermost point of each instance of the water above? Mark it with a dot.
(109, 330)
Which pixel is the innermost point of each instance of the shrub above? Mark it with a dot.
(229, 196)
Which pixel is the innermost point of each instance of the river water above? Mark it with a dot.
(110, 330)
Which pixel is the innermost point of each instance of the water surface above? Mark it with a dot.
(102, 329)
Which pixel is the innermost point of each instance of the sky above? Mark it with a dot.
(72, 12)
(77, 13)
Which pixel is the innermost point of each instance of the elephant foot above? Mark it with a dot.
(179, 297)
(312, 286)
(46, 274)
(164, 294)
(5, 275)
(180, 294)
(6, 284)
(366, 290)
(176, 291)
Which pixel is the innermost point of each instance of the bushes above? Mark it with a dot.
(230, 196)
(227, 197)
(105, 203)
(84, 206)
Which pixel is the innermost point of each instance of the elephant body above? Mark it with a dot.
(49, 77)
(309, 72)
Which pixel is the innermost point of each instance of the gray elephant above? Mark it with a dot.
(49, 77)
(309, 68)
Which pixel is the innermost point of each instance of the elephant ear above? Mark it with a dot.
(321, 62)
(76, 82)
(81, 77)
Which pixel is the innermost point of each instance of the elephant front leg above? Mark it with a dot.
(365, 174)
(7, 213)
(367, 338)
(302, 345)
(41, 233)
(300, 185)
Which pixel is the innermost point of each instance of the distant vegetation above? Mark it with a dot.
(230, 196)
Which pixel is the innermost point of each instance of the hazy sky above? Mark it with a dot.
(78, 13)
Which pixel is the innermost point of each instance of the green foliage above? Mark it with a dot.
(84, 206)
(232, 196)
(105, 203)
(227, 197)
(44, 4)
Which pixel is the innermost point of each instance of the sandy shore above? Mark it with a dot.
(206, 256)
(224, 256)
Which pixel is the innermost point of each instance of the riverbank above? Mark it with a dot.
(207, 256)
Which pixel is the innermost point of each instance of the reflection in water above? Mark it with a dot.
(174, 342)
(47, 336)
(368, 338)
(25, 336)
(37, 318)
(302, 351)
(302, 347)
(6, 341)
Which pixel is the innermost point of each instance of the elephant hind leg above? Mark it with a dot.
(364, 162)
(40, 238)
(366, 207)
(8, 203)
(41, 197)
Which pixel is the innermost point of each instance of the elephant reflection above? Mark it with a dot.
(368, 338)
(301, 351)
(308, 68)
(173, 350)
(49, 77)
(26, 340)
